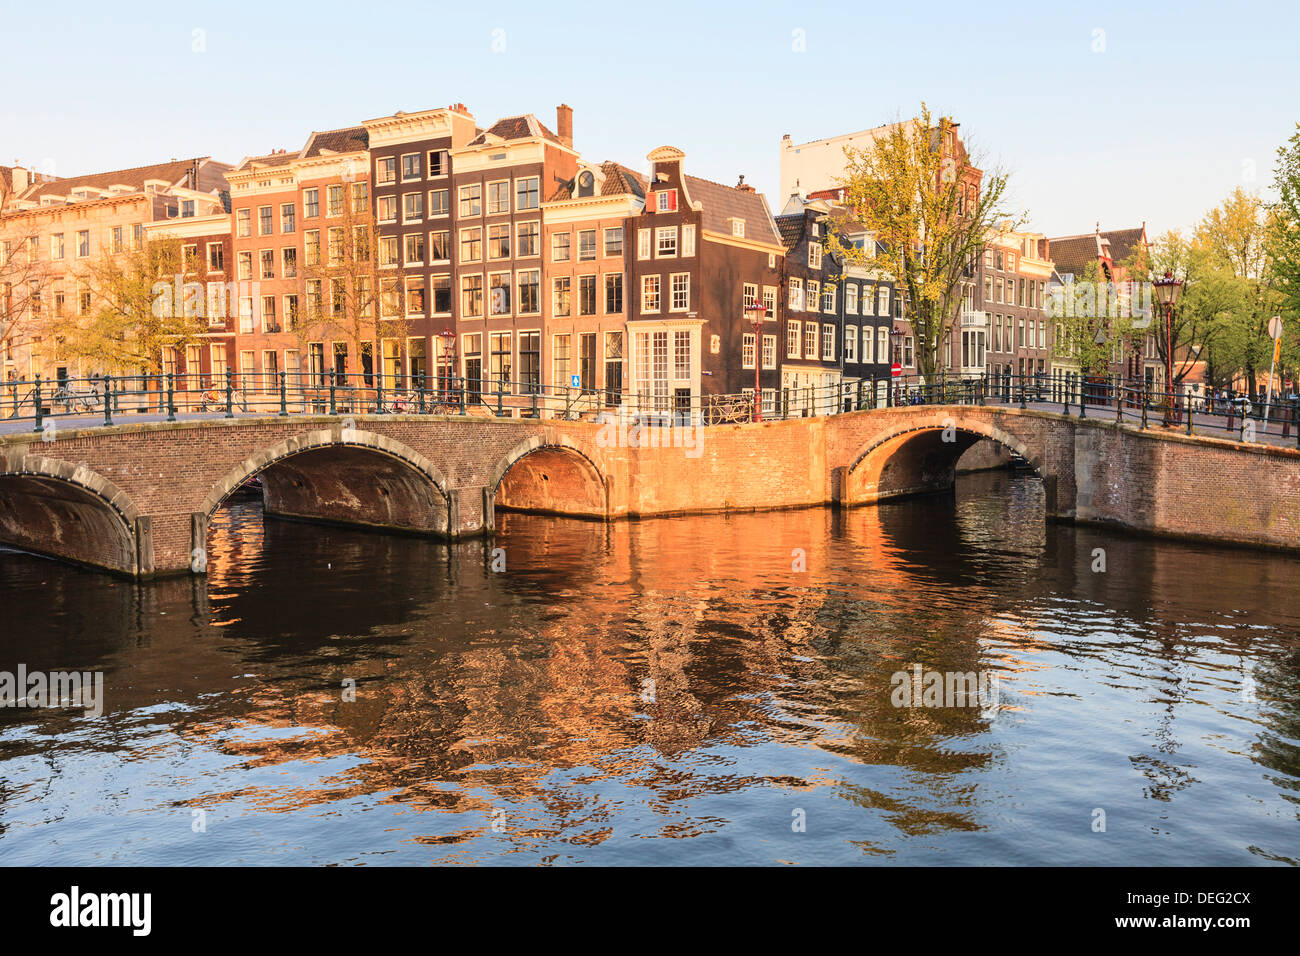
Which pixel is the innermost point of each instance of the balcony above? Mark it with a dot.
(974, 320)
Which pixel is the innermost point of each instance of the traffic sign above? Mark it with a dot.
(574, 381)
(896, 370)
(1275, 327)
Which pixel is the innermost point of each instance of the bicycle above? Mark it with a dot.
(214, 400)
(73, 400)
(724, 409)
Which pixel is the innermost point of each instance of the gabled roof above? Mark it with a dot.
(722, 203)
(619, 181)
(526, 126)
(1071, 253)
(791, 228)
(348, 140)
(174, 172)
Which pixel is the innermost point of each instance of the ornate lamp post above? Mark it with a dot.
(448, 358)
(757, 311)
(1167, 291)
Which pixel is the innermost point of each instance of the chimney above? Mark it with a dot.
(564, 124)
(742, 187)
(20, 179)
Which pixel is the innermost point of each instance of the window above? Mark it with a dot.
(268, 314)
(810, 340)
(650, 293)
(244, 267)
(311, 247)
(769, 351)
(747, 350)
(530, 361)
(414, 248)
(666, 200)
(438, 203)
(792, 329)
(56, 246)
(560, 246)
(643, 243)
(216, 257)
(529, 238)
(586, 245)
(471, 244)
(850, 303)
(738, 228)
(115, 244)
(586, 295)
(310, 203)
(682, 354)
(265, 224)
(688, 240)
(882, 344)
(311, 296)
(386, 170)
(527, 193)
(613, 367)
(499, 293)
(387, 250)
(909, 358)
(246, 315)
(360, 197)
(614, 294)
(748, 296)
(530, 283)
(243, 223)
(666, 242)
(410, 166)
(850, 343)
(681, 291)
(560, 360)
(868, 343)
(796, 295)
(438, 165)
(828, 298)
(828, 342)
(441, 295)
(769, 303)
(561, 289)
(288, 215)
(290, 312)
(387, 208)
(471, 296)
(267, 257)
(814, 255)
(813, 299)
(471, 200)
(412, 207)
(882, 300)
(440, 246)
(614, 241)
(498, 198)
(499, 241)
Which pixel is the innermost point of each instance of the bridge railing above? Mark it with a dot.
(169, 396)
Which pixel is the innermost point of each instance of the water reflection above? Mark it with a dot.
(661, 691)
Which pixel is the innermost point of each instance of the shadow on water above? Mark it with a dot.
(666, 690)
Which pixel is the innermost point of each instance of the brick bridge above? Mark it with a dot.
(136, 498)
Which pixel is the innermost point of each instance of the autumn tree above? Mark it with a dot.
(137, 306)
(24, 276)
(353, 280)
(1283, 244)
(930, 209)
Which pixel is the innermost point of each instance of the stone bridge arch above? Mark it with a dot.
(54, 507)
(919, 454)
(547, 474)
(343, 475)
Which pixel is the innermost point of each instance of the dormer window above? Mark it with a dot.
(738, 228)
(666, 200)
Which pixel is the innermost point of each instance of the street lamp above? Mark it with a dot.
(757, 311)
(1167, 290)
(448, 347)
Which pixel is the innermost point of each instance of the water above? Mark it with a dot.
(665, 691)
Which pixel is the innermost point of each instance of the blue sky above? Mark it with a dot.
(1158, 117)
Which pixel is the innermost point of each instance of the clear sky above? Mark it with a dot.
(1118, 112)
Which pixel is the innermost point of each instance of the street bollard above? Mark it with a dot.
(108, 399)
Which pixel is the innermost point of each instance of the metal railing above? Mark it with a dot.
(170, 395)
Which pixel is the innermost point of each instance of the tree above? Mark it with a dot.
(930, 210)
(136, 305)
(1283, 244)
(349, 292)
(1234, 236)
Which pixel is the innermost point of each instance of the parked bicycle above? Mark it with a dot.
(76, 400)
(727, 409)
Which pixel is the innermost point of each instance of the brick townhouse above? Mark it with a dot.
(702, 250)
(1016, 269)
(53, 229)
(500, 268)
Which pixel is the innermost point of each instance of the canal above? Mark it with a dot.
(708, 690)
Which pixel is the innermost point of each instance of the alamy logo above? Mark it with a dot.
(920, 688)
(54, 689)
(623, 431)
(134, 910)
